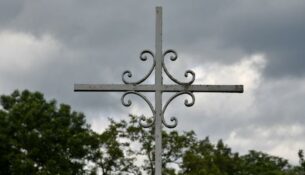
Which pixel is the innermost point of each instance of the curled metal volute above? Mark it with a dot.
(173, 53)
(142, 118)
(189, 104)
(174, 121)
(143, 57)
(128, 103)
(190, 72)
(128, 73)
(174, 57)
(186, 103)
(143, 54)
(145, 123)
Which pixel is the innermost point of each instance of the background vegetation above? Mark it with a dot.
(40, 137)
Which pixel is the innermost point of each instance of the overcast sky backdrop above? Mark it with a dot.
(50, 45)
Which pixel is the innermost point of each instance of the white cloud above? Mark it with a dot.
(279, 140)
(262, 118)
(25, 60)
(97, 123)
(247, 72)
(23, 52)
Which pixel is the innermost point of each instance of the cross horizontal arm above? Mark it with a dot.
(153, 88)
(204, 88)
(113, 87)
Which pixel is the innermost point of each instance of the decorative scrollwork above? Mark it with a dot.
(142, 118)
(174, 57)
(143, 57)
(186, 103)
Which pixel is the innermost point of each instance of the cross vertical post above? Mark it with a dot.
(136, 88)
(158, 93)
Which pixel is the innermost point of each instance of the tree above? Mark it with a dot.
(299, 170)
(264, 164)
(174, 145)
(207, 159)
(4, 146)
(111, 157)
(192, 156)
(37, 137)
(302, 160)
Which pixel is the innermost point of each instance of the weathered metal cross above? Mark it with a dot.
(158, 88)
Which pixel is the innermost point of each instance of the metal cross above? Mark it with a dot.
(158, 88)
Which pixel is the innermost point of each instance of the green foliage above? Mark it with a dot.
(37, 137)
(193, 156)
(300, 170)
(40, 137)
(302, 160)
(205, 158)
(111, 156)
(174, 145)
(264, 164)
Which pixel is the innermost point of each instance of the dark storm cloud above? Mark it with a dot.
(83, 25)
(98, 34)
(9, 10)
(105, 33)
(274, 28)
(219, 31)
(98, 40)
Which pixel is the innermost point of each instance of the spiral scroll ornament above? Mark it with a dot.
(143, 56)
(143, 121)
(173, 57)
(186, 103)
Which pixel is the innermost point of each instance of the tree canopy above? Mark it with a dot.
(41, 137)
(37, 137)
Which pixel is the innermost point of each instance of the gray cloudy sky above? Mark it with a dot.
(50, 45)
